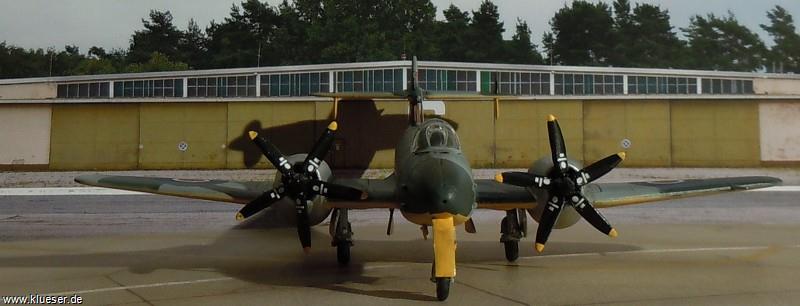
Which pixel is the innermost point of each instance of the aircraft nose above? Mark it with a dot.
(442, 185)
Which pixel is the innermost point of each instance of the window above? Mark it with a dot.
(649, 85)
(293, 84)
(517, 83)
(83, 90)
(727, 86)
(447, 80)
(588, 84)
(377, 80)
(164, 88)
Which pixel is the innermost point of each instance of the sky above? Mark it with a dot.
(110, 23)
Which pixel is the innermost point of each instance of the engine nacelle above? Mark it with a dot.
(544, 167)
(282, 213)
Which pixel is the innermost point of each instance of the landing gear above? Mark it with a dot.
(342, 235)
(443, 287)
(513, 227)
(442, 284)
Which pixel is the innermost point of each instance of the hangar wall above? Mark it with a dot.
(25, 136)
(213, 135)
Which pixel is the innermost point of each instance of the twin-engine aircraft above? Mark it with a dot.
(432, 186)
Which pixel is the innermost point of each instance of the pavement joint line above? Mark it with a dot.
(656, 251)
(208, 280)
(176, 283)
(59, 191)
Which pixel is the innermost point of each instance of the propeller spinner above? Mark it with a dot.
(564, 186)
(300, 182)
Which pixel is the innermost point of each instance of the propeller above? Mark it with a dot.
(564, 186)
(300, 182)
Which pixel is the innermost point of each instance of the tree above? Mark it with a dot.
(582, 34)
(521, 50)
(159, 35)
(723, 44)
(192, 46)
(486, 35)
(645, 37)
(236, 41)
(453, 34)
(786, 51)
(157, 62)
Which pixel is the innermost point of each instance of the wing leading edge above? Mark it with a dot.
(213, 190)
(617, 194)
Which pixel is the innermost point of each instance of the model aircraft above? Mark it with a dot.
(432, 186)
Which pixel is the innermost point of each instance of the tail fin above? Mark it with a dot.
(415, 95)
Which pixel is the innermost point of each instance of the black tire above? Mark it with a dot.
(343, 253)
(512, 250)
(443, 288)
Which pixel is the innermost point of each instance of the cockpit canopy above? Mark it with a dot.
(436, 135)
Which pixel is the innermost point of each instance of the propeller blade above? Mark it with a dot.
(321, 148)
(272, 153)
(303, 226)
(522, 179)
(599, 168)
(263, 201)
(339, 192)
(588, 212)
(557, 147)
(549, 218)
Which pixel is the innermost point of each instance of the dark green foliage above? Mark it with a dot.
(328, 31)
(723, 44)
(785, 54)
(583, 34)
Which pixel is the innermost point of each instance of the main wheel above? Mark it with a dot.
(443, 287)
(512, 250)
(343, 252)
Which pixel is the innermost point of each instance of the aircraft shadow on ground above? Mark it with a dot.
(363, 130)
(273, 257)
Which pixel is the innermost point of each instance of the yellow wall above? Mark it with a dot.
(94, 136)
(714, 133)
(521, 130)
(475, 121)
(201, 125)
(663, 133)
(644, 123)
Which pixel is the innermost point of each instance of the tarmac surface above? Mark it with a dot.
(733, 249)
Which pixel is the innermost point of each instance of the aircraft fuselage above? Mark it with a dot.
(433, 176)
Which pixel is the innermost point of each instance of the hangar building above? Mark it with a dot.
(198, 119)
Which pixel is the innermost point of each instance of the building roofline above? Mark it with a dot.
(401, 64)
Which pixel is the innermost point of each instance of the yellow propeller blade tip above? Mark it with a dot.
(539, 247)
(239, 217)
(253, 134)
(551, 117)
(307, 250)
(333, 126)
(499, 177)
(613, 233)
(622, 155)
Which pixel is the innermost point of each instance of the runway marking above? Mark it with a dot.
(207, 280)
(58, 191)
(780, 188)
(656, 251)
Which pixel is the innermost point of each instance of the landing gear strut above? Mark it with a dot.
(513, 227)
(342, 235)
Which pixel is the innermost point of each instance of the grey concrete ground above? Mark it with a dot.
(732, 249)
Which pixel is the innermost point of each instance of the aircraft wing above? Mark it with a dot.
(617, 194)
(214, 190)
(499, 196)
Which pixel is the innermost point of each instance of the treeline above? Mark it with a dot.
(329, 31)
